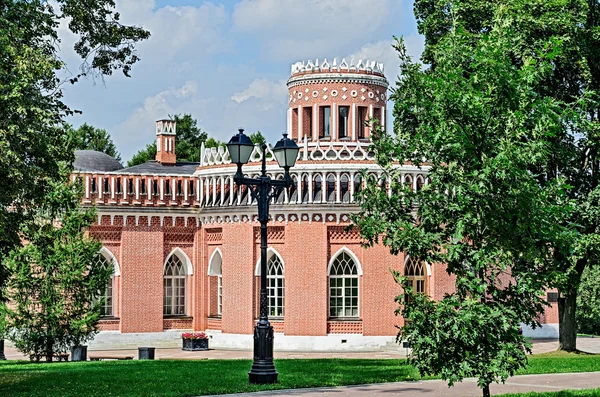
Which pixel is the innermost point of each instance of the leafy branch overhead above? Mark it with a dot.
(476, 122)
(34, 139)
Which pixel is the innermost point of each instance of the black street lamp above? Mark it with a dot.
(263, 189)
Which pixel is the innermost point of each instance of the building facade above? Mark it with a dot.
(184, 239)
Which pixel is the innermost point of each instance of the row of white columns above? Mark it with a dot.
(316, 114)
(137, 192)
(210, 191)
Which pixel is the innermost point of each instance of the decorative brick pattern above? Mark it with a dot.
(177, 323)
(275, 234)
(109, 325)
(214, 324)
(278, 326)
(214, 235)
(338, 234)
(344, 327)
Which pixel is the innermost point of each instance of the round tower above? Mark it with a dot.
(333, 102)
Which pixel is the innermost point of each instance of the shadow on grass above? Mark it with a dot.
(173, 378)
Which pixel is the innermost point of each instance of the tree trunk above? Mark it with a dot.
(486, 390)
(49, 352)
(567, 328)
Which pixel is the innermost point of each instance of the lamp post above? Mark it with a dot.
(263, 189)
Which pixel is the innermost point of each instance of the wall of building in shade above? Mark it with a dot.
(184, 238)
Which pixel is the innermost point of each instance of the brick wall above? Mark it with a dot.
(306, 250)
(142, 264)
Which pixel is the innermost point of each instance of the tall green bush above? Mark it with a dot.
(588, 302)
(55, 287)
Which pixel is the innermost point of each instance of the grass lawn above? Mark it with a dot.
(566, 393)
(189, 378)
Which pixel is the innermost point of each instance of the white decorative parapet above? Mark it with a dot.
(343, 151)
(310, 66)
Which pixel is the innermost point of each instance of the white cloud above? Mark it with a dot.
(185, 30)
(309, 28)
(275, 91)
(261, 106)
(382, 51)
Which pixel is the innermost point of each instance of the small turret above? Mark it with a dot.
(165, 142)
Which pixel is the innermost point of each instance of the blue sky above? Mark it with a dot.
(226, 62)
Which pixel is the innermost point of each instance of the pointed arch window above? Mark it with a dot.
(174, 287)
(105, 259)
(343, 286)
(414, 270)
(275, 286)
(215, 268)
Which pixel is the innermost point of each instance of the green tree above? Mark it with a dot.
(212, 142)
(258, 138)
(574, 81)
(55, 284)
(588, 302)
(475, 122)
(91, 138)
(34, 139)
(189, 139)
(144, 155)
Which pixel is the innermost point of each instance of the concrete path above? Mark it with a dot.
(437, 388)
(590, 345)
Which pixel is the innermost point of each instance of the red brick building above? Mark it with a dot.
(184, 241)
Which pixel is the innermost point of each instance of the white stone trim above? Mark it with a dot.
(352, 255)
(211, 270)
(270, 252)
(105, 252)
(189, 268)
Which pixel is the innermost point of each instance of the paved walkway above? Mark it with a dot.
(591, 345)
(437, 388)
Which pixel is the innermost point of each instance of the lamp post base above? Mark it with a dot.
(2, 356)
(263, 377)
(263, 369)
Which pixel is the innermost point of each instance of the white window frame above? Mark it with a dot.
(345, 278)
(175, 281)
(279, 282)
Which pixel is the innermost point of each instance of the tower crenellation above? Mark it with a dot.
(336, 102)
(361, 66)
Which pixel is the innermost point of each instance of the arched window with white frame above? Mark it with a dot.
(275, 283)
(416, 272)
(215, 269)
(275, 286)
(106, 259)
(177, 267)
(344, 272)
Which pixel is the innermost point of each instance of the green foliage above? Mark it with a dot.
(476, 123)
(55, 284)
(91, 138)
(588, 302)
(34, 139)
(189, 138)
(460, 337)
(258, 138)
(574, 81)
(144, 155)
(212, 142)
(188, 142)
